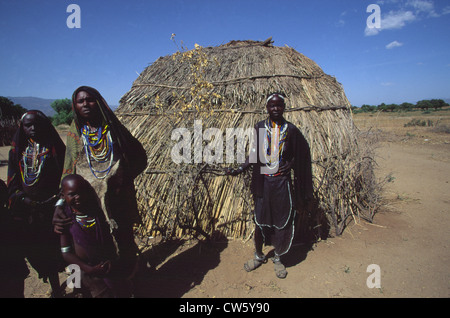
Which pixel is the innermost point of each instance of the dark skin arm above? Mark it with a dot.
(60, 221)
(233, 172)
(285, 168)
(242, 167)
(72, 258)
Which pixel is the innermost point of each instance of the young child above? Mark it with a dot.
(89, 244)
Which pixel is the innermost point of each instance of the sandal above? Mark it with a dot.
(254, 263)
(280, 269)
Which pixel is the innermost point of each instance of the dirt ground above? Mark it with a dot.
(409, 239)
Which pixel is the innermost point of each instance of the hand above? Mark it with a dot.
(286, 168)
(106, 266)
(27, 201)
(60, 221)
(232, 172)
(100, 269)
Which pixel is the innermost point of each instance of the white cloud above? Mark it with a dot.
(397, 20)
(371, 31)
(341, 21)
(403, 12)
(446, 10)
(344, 15)
(422, 5)
(393, 44)
(426, 6)
(392, 20)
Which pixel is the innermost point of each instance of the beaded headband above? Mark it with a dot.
(30, 112)
(273, 95)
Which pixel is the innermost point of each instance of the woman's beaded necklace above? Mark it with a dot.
(274, 142)
(85, 220)
(33, 159)
(98, 146)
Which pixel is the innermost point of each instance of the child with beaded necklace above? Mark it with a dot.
(88, 242)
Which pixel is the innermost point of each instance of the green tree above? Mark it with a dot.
(10, 114)
(406, 106)
(368, 108)
(9, 110)
(63, 109)
(438, 103)
(382, 107)
(391, 107)
(424, 104)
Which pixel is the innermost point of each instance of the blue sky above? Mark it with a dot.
(406, 59)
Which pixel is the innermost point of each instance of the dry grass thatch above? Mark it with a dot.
(226, 87)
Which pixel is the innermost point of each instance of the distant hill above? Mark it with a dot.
(41, 104)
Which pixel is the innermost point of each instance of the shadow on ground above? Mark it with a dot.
(163, 275)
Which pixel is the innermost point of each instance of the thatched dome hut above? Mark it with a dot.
(225, 87)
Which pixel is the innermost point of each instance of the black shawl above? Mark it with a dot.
(297, 152)
(48, 184)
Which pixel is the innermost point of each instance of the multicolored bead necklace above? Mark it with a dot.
(85, 220)
(274, 142)
(98, 145)
(33, 159)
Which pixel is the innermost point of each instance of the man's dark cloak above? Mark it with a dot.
(278, 197)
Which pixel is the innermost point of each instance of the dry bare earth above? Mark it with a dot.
(409, 238)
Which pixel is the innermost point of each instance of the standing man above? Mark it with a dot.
(280, 148)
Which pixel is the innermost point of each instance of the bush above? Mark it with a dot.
(63, 109)
(418, 122)
(10, 114)
(441, 129)
(425, 105)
